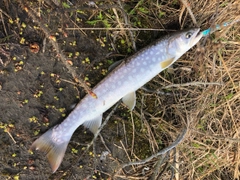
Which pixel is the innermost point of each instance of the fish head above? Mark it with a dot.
(180, 42)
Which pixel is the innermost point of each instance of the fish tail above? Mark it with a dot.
(54, 150)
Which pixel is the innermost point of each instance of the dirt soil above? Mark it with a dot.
(42, 47)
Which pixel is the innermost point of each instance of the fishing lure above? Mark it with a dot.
(218, 27)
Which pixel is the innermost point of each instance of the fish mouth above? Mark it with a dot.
(197, 35)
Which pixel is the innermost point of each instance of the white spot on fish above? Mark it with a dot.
(114, 78)
(152, 67)
(130, 78)
(84, 105)
(124, 70)
(106, 85)
(104, 91)
(160, 58)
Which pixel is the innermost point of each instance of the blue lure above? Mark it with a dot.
(218, 27)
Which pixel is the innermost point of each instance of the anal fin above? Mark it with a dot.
(130, 100)
(94, 124)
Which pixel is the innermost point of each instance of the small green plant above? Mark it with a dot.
(74, 151)
(100, 19)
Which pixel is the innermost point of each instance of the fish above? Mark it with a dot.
(120, 84)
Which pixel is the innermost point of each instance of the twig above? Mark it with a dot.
(127, 23)
(125, 134)
(44, 45)
(70, 82)
(159, 92)
(227, 70)
(220, 138)
(103, 124)
(210, 29)
(99, 7)
(192, 84)
(163, 170)
(176, 163)
(125, 150)
(160, 162)
(4, 27)
(5, 53)
(104, 143)
(163, 151)
(120, 24)
(133, 133)
(172, 173)
(187, 5)
(95, 156)
(11, 136)
(117, 29)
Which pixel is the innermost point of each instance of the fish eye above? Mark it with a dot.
(188, 35)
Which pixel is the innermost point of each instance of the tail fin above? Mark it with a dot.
(54, 151)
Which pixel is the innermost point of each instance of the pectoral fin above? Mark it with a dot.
(114, 65)
(166, 63)
(130, 100)
(94, 124)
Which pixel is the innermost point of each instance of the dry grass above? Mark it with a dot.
(211, 149)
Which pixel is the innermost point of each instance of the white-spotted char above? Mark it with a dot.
(121, 83)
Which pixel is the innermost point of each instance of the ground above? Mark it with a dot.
(52, 54)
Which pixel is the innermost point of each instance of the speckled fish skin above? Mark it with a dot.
(122, 82)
